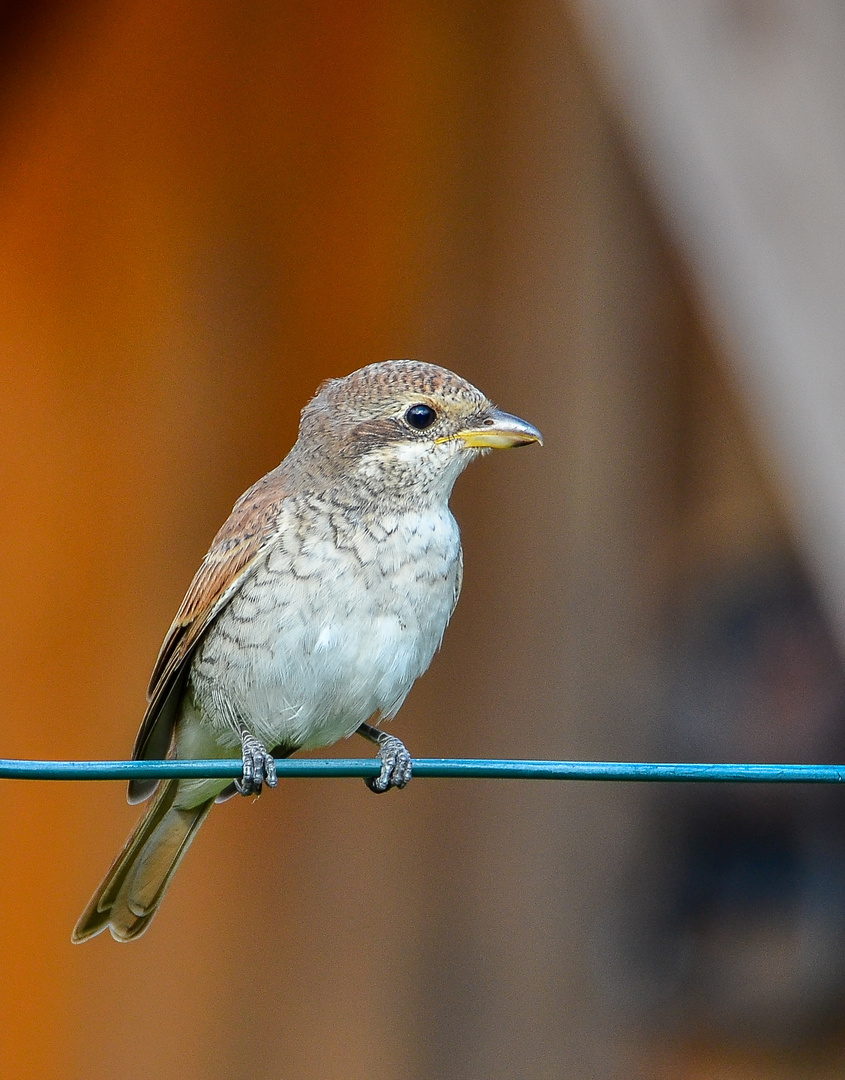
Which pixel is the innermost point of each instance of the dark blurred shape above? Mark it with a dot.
(755, 671)
(737, 923)
(23, 23)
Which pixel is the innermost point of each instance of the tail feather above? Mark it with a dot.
(135, 884)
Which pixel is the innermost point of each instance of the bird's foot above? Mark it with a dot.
(259, 768)
(396, 765)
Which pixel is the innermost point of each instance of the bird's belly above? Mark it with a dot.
(317, 642)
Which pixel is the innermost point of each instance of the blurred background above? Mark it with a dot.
(623, 219)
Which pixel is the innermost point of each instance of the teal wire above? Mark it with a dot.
(13, 769)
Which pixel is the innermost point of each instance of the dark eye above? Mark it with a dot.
(420, 416)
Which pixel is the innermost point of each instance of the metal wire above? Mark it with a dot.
(501, 769)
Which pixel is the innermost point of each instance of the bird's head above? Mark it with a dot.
(402, 427)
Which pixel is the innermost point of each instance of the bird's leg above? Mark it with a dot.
(259, 766)
(396, 763)
(280, 751)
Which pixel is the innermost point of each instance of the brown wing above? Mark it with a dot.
(234, 551)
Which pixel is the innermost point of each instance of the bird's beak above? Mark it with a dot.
(499, 430)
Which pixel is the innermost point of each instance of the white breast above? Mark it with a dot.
(332, 627)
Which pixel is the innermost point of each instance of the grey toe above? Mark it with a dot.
(258, 767)
(396, 766)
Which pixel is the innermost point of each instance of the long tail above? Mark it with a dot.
(137, 880)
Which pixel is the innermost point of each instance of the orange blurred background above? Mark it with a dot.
(206, 209)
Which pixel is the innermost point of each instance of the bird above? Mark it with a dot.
(323, 597)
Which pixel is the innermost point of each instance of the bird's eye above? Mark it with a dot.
(420, 416)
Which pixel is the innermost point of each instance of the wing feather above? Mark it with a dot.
(237, 548)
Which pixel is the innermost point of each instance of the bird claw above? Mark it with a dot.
(396, 765)
(259, 767)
